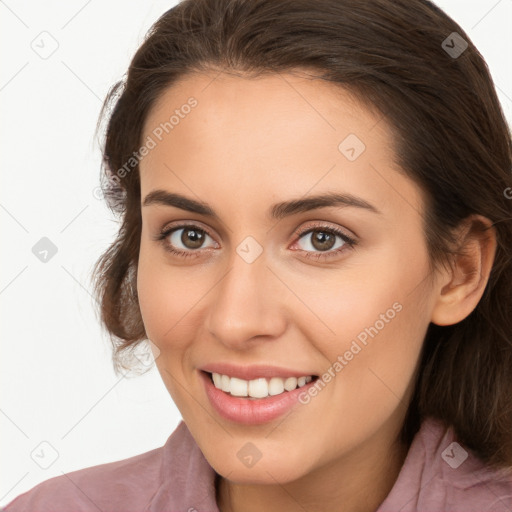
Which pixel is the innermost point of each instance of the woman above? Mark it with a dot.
(315, 236)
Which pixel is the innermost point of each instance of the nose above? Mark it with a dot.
(246, 305)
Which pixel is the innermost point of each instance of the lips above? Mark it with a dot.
(247, 411)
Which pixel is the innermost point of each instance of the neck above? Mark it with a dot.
(357, 482)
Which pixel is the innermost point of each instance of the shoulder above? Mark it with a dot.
(172, 477)
(122, 485)
(441, 474)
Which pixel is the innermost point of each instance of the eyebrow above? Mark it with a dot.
(277, 211)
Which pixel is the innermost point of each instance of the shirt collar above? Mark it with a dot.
(187, 479)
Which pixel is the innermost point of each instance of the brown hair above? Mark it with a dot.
(401, 59)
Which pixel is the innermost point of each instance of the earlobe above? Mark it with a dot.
(464, 285)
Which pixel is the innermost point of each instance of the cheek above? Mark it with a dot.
(170, 299)
(374, 385)
(157, 290)
(381, 291)
(373, 323)
(164, 302)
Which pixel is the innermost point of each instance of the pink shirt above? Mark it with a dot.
(435, 477)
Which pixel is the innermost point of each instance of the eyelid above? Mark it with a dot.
(349, 240)
(318, 225)
(184, 223)
(181, 224)
(297, 233)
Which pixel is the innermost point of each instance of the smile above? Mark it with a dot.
(258, 388)
(259, 400)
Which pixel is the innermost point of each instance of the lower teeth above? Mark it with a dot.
(251, 397)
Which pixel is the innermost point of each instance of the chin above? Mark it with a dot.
(263, 472)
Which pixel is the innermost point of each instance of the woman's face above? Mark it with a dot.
(266, 286)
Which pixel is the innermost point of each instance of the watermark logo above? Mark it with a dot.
(454, 455)
(249, 249)
(454, 45)
(44, 45)
(249, 454)
(351, 147)
(147, 353)
(44, 454)
(44, 250)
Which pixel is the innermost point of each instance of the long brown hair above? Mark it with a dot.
(402, 59)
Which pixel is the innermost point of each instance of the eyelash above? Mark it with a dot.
(349, 241)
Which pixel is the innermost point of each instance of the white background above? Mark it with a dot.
(57, 380)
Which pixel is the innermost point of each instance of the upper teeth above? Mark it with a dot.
(258, 388)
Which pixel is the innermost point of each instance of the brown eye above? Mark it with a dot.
(185, 239)
(322, 240)
(192, 238)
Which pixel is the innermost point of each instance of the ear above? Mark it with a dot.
(462, 287)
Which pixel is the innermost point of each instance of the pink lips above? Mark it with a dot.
(252, 412)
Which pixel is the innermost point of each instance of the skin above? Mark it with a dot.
(250, 143)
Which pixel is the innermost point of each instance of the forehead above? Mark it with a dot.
(286, 100)
(280, 132)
